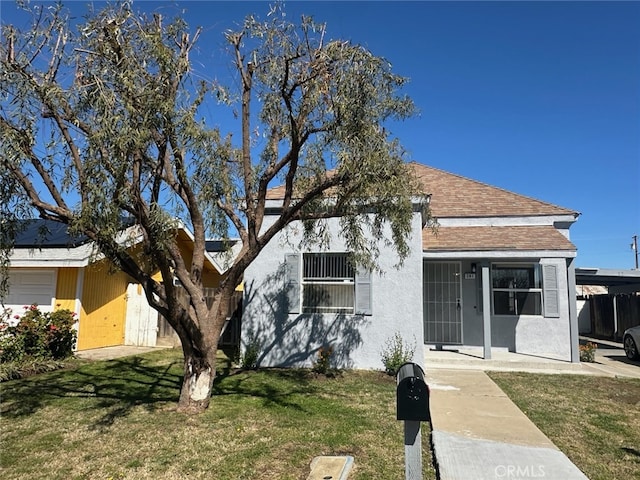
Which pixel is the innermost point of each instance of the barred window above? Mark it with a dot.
(328, 283)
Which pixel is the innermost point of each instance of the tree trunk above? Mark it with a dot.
(197, 384)
(200, 349)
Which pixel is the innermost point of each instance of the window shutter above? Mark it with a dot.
(363, 292)
(551, 293)
(292, 281)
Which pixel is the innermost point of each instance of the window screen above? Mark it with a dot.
(517, 289)
(328, 283)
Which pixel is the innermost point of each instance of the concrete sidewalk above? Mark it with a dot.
(610, 361)
(110, 353)
(479, 433)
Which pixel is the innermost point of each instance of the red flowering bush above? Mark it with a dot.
(37, 335)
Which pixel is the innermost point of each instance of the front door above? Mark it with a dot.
(442, 299)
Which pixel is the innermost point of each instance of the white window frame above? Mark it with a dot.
(294, 285)
(329, 281)
(513, 291)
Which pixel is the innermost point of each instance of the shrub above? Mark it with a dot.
(395, 353)
(588, 352)
(27, 367)
(37, 335)
(249, 358)
(322, 364)
(61, 336)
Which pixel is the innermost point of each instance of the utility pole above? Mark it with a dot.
(634, 247)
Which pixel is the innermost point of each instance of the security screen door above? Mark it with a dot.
(442, 303)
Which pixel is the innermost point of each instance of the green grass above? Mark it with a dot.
(595, 421)
(30, 366)
(117, 420)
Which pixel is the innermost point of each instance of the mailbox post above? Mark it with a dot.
(412, 403)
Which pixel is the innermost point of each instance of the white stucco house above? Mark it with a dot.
(499, 273)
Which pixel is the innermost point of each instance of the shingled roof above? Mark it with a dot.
(456, 196)
(453, 196)
(529, 238)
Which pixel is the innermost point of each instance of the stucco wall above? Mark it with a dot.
(525, 334)
(584, 316)
(294, 339)
(548, 336)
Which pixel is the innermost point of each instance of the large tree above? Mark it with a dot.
(106, 121)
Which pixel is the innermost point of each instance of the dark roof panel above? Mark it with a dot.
(217, 246)
(38, 233)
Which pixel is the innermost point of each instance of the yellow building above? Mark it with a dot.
(56, 271)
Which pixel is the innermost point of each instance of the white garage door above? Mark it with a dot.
(31, 286)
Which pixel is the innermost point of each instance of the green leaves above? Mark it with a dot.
(325, 105)
(126, 131)
(105, 124)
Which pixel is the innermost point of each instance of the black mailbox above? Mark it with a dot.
(412, 394)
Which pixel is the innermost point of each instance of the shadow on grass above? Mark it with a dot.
(275, 386)
(114, 388)
(631, 451)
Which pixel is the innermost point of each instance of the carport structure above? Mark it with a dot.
(616, 281)
(610, 315)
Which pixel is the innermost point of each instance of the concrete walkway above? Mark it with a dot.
(110, 353)
(479, 433)
(610, 361)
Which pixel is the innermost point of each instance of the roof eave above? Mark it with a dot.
(496, 253)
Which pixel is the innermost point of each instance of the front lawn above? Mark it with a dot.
(117, 420)
(595, 421)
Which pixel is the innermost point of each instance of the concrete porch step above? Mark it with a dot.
(501, 359)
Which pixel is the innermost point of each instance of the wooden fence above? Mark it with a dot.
(611, 315)
(230, 338)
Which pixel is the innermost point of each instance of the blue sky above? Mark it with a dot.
(540, 98)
